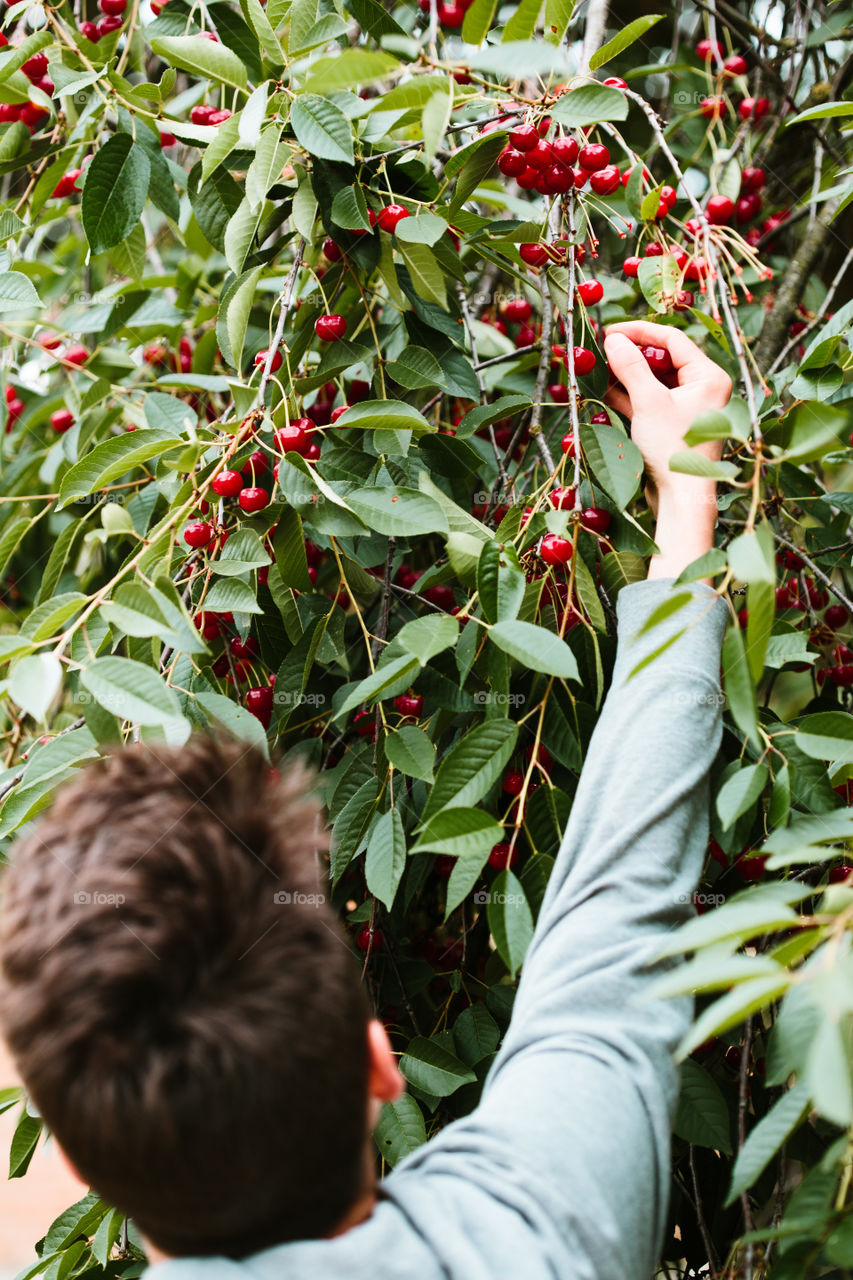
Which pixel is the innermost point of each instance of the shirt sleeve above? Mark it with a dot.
(572, 1134)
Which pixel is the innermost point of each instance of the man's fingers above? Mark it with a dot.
(682, 350)
(629, 366)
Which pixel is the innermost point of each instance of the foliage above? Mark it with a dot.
(185, 196)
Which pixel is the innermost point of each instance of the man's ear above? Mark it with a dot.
(384, 1081)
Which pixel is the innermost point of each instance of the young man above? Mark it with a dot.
(204, 1055)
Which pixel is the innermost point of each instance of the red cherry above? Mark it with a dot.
(567, 444)
(524, 137)
(528, 180)
(658, 359)
(293, 438)
(198, 534)
(255, 465)
(517, 310)
(76, 354)
(513, 781)
(584, 361)
(631, 266)
(440, 595)
(332, 252)
(31, 115)
(606, 179)
(526, 336)
(706, 49)
(253, 499)
(750, 868)
(683, 300)
(735, 65)
(748, 207)
(842, 675)
(590, 292)
(541, 156)
(388, 217)
(9, 112)
(330, 328)
(112, 7)
(594, 156)
(363, 941)
(409, 704)
(720, 210)
(558, 393)
(557, 180)
(227, 484)
(752, 179)
(62, 420)
(167, 140)
(512, 163)
(696, 269)
(562, 499)
(35, 67)
(753, 108)
(838, 875)
(564, 151)
(554, 550)
(601, 418)
(451, 15)
(836, 616)
(261, 359)
(616, 82)
(259, 702)
(712, 107)
(596, 519)
(202, 113)
(65, 185)
(503, 855)
(219, 117)
(535, 255)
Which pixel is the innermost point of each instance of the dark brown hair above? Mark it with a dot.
(182, 1008)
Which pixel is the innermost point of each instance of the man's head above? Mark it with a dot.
(182, 1004)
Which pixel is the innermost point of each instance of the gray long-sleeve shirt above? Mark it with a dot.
(562, 1169)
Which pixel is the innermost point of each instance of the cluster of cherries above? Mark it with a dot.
(29, 113)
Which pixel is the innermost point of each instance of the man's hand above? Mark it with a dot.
(660, 417)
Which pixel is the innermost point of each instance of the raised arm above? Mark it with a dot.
(572, 1133)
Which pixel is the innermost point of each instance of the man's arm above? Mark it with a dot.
(572, 1134)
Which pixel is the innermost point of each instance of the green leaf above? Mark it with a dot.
(410, 750)
(207, 58)
(373, 686)
(13, 57)
(115, 190)
(349, 68)
(385, 415)
(398, 512)
(658, 277)
(510, 919)
(590, 104)
(349, 209)
(222, 144)
(240, 234)
(766, 1138)
(233, 317)
(535, 648)
(113, 458)
(427, 276)
(17, 292)
(472, 162)
(34, 683)
(459, 833)
(431, 1068)
(243, 551)
(400, 1130)
(427, 637)
(472, 767)
(478, 20)
(740, 690)
(827, 735)
(500, 582)
(733, 1008)
(558, 14)
(271, 153)
(475, 1034)
(616, 462)
(231, 595)
(702, 1118)
(827, 1074)
(322, 128)
(23, 1145)
(744, 916)
(740, 792)
(824, 111)
(385, 860)
(483, 415)
(522, 21)
(426, 228)
(626, 36)
(131, 691)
